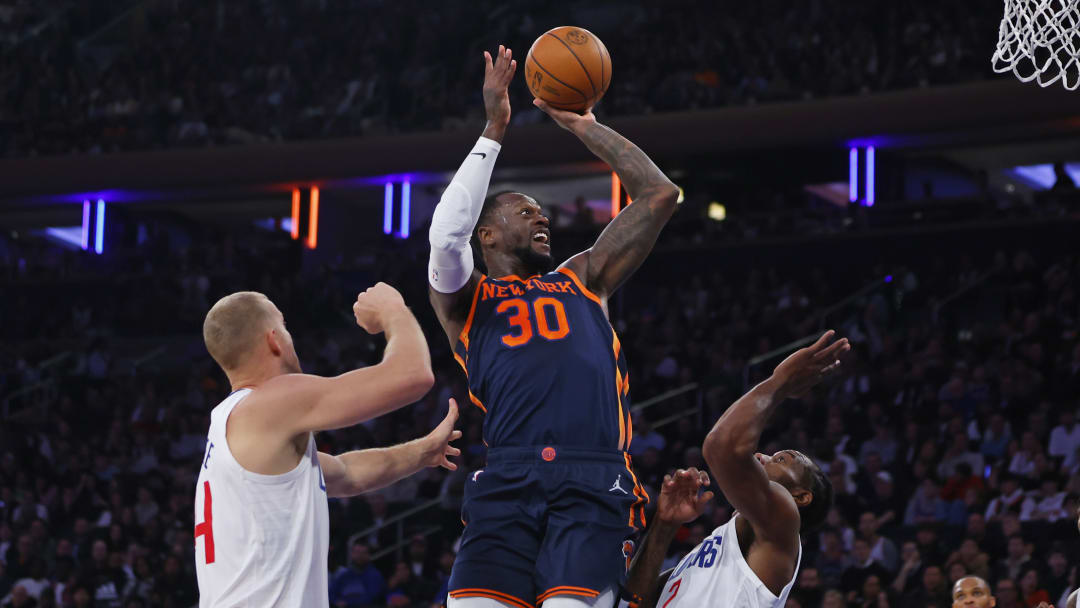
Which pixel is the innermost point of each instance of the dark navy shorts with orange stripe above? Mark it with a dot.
(547, 521)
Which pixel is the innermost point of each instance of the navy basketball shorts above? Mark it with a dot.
(547, 521)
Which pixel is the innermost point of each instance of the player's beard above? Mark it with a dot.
(534, 261)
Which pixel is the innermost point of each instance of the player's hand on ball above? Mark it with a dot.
(806, 367)
(373, 307)
(437, 451)
(497, 77)
(680, 501)
(571, 121)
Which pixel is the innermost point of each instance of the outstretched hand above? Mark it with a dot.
(438, 449)
(807, 366)
(497, 76)
(679, 501)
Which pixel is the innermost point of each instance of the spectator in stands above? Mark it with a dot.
(996, 438)
(1056, 578)
(1008, 501)
(1065, 439)
(358, 583)
(882, 550)
(1025, 460)
(832, 561)
(929, 543)
(809, 589)
(882, 443)
(860, 568)
(910, 573)
(405, 588)
(973, 561)
(957, 453)
(833, 599)
(20, 598)
(871, 594)
(648, 436)
(1030, 590)
(961, 482)
(883, 497)
(926, 505)
(1007, 595)
(1046, 503)
(932, 591)
(1018, 558)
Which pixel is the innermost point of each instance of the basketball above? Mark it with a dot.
(569, 68)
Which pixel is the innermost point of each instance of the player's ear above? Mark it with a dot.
(486, 235)
(802, 497)
(273, 341)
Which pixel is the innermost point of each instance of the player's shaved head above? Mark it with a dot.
(972, 592)
(234, 325)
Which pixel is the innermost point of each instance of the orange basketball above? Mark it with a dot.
(569, 68)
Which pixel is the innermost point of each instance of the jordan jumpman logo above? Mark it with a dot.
(618, 485)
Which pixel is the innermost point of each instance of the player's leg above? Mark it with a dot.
(593, 511)
(497, 559)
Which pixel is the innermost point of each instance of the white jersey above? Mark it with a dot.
(260, 540)
(715, 575)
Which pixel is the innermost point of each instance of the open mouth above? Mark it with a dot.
(541, 236)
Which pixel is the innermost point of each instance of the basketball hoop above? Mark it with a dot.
(1040, 40)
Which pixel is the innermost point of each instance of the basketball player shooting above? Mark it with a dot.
(752, 560)
(547, 518)
(262, 530)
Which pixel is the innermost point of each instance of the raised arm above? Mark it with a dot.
(361, 471)
(680, 502)
(730, 447)
(628, 239)
(300, 403)
(452, 275)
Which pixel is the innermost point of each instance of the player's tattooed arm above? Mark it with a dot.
(629, 238)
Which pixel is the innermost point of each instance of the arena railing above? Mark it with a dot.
(823, 317)
(669, 395)
(961, 292)
(398, 521)
(41, 385)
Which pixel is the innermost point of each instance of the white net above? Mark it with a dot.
(1040, 40)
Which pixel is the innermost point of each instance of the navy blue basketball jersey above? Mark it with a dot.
(544, 364)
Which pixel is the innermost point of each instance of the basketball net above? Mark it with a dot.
(1040, 40)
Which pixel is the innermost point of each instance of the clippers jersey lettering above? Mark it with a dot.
(260, 540)
(544, 364)
(716, 574)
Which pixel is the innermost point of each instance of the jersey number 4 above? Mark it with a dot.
(206, 528)
(548, 315)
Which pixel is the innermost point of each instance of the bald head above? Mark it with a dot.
(234, 326)
(972, 592)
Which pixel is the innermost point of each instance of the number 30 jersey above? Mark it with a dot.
(715, 575)
(260, 540)
(544, 364)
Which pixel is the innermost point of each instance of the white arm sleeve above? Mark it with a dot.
(451, 261)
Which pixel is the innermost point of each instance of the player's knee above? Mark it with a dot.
(475, 602)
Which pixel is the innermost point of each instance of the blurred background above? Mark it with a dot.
(846, 164)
